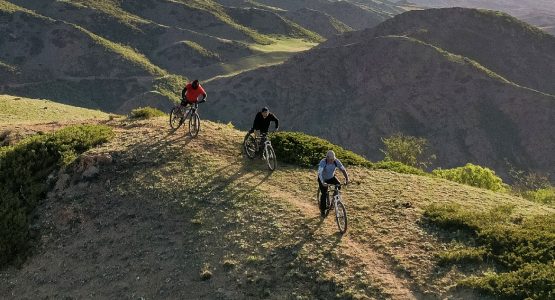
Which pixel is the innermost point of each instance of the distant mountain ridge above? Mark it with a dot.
(153, 45)
(540, 13)
(367, 85)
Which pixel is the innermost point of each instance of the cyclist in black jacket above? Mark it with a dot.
(261, 124)
(262, 121)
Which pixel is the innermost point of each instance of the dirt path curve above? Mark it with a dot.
(375, 264)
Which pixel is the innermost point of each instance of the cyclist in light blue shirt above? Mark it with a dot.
(326, 176)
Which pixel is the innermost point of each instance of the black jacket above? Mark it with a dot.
(264, 124)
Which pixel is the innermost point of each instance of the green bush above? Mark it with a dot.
(472, 175)
(24, 169)
(517, 246)
(533, 281)
(409, 150)
(545, 196)
(307, 151)
(146, 113)
(462, 256)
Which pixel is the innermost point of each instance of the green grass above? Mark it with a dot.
(462, 256)
(301, 32)
(219, 12)
(127, 53)
(280, 44)
(146, 113)
(111, 8)
(170, 86)
(523, 249)
(16, 110)
(545, 196)
(24, 169)
(9, 7)
(201, 50)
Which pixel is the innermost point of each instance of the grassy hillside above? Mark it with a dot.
(109, 54)
(516, 50)
(17, 110)
(175, 217)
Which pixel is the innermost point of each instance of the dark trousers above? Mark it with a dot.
(324, 191)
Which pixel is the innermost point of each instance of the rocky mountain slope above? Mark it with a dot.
(101, 54)
(381, 84)
(166, 216)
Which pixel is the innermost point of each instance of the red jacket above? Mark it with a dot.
(192, 94)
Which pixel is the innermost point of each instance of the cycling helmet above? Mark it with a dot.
(264, 109)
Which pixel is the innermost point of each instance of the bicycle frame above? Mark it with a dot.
(336, 196)
(190, 110)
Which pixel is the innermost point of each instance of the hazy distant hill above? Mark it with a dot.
(540, 13)
(354, 16)
(372, 85)
(517, 51)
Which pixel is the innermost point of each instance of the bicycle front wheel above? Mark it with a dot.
(194, 125)
(271, 159)
(341, 217)
(176, 118)
(249, 145)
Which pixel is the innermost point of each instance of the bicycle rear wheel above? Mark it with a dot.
(341, 217)
(176, 118)
(249, 145)
(194, 124)
(271, 159)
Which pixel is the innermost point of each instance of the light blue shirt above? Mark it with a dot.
(327, 171)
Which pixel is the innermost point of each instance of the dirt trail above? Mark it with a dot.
(375, 264)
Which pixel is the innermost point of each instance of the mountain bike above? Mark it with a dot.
(180, 113)
(252, 146)
(335, 203)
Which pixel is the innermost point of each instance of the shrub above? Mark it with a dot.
(24, 168)
(525, 181)
(545, 196)
(307, 151)
(524, 252)
(472, 175)
(533, 281)
(409, 150)
(462, 256)
(146, 113)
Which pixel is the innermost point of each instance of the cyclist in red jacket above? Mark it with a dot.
(192, 92)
